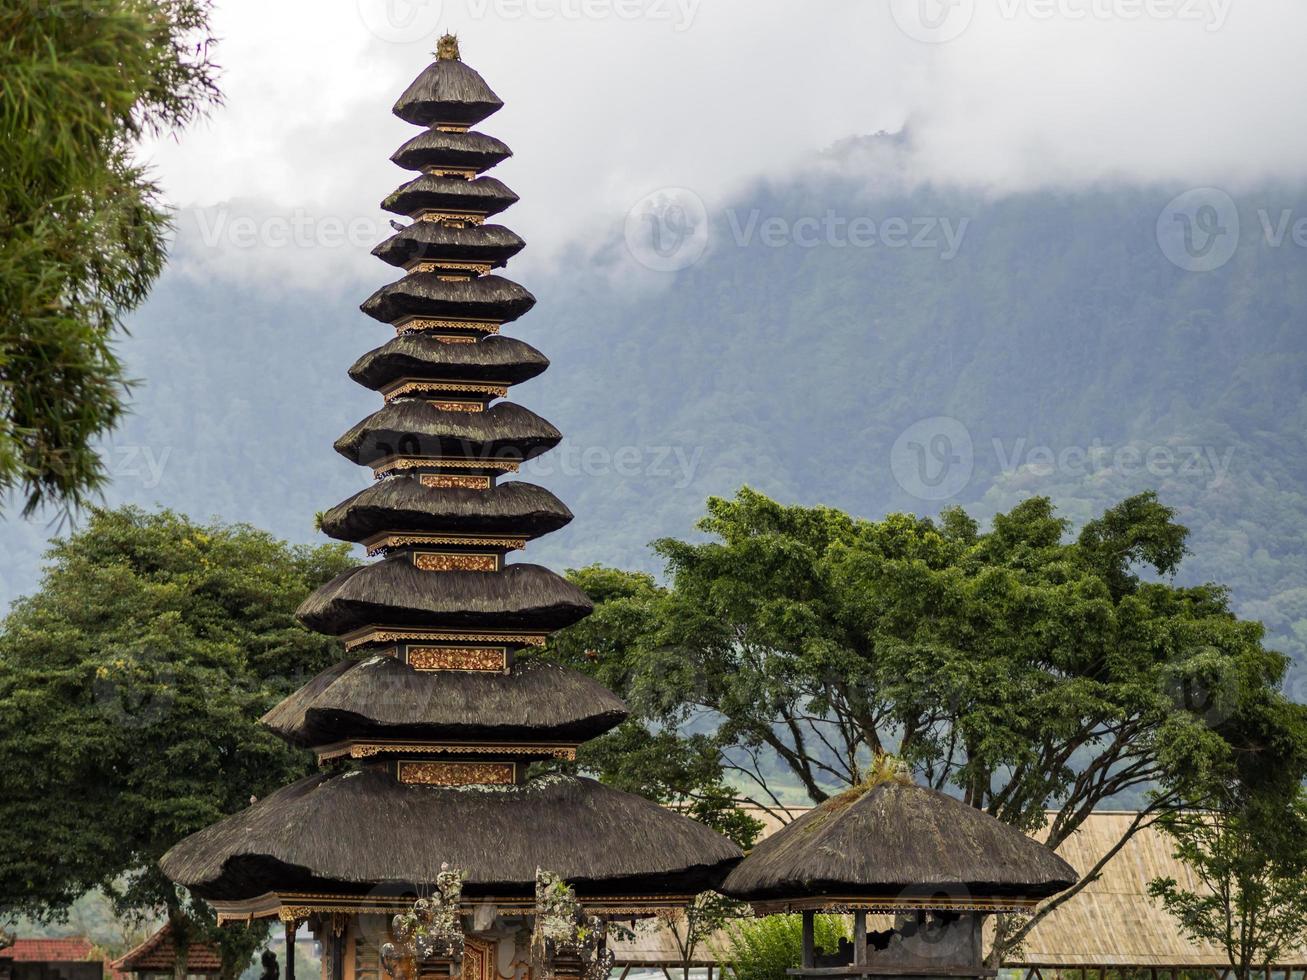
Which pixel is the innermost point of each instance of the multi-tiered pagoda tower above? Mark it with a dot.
(425, 734)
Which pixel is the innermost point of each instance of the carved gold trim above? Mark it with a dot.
(450, 128)
(451, 406)
(391, 464)
(368, 750)
(424, 387)
(464, 172)
(838, 903)
(416, 772)
(454, 561)
(441, 338)
(492, 660)
(415, 323)
(434, 265)
(456, 219)
(379, 543)
(382, 634)
(454, 481)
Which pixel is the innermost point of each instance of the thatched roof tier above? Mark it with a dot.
(898, 840)
(425, 294)
(482, 196)
(382, 697)
(447, 93)
(414, 427)
(433, 240)
(420, 357)
(347, 832)
(404, 502)
(434, 149)
(393, 592)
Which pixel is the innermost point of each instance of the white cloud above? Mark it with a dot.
(608, 100)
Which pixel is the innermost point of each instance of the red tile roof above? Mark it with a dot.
(71, 950)
(156, 955)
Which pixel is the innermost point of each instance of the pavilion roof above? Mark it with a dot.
(158, 954)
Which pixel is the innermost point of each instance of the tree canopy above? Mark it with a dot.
(82, 227)
(1022, 668)
(130, 688)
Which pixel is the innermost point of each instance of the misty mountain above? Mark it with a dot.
(874, 348)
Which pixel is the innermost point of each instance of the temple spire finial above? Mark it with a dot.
(447, 48)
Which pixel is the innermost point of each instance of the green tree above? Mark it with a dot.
(82, 229)
(763, 949)
(130, 688)
(1023, 669)
(1250, 859)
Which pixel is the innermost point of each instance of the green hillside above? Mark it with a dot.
(1059, 352)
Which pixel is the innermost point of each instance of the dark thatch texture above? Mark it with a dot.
(464, 151)
(418, 356)
(426, 294)
(382, 697)
(392, 592)
(402, 503)
(484, 195)
(347, 832)
(414, 427)
(432, 240)
(447, 91)
(895, 838)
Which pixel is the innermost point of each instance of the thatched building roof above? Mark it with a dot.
(381, 697)
(433, 148)
(425, 294)
(431, 240)
(393, 592)
(336, 832)
(483, 196)
(493, 359)
(895, 841)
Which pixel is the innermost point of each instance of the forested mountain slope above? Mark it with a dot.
(1058, 351)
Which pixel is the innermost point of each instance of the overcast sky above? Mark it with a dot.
(609, 100)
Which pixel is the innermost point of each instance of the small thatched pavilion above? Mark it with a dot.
(426, 805)
(937, 865)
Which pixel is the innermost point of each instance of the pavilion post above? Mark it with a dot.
(337, 955)
(289, 972)
(809, 939)
(859, 937)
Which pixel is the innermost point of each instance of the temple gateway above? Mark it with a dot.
(427, 845)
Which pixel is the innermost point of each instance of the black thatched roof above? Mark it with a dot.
(345, 832)
(383, 697)
(418, 356)
(447, 91)
(463, 151)
(393, 592)
(415, 427)
(494, 244)
(402, 503)
(484, 195)
(894, 838)
(425, 294)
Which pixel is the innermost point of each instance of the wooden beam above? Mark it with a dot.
(289, 972)
(859, 936)
(809, 940)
